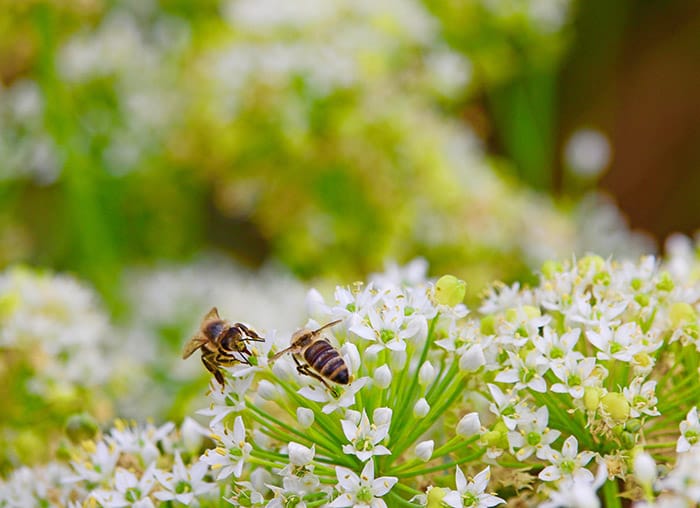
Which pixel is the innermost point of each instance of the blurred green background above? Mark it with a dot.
(332, 136)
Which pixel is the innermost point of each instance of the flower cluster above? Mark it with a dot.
(549, 395)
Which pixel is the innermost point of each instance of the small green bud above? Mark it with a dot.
(636, 284)
(488, 325)
(627, 440)
(63, 452)
(665, 283)
(616, 405)
(633, 425)
(642, 300)
(602, 278)
(81, 427)
(435, 497)
(591, 397)
(588, 262)
(550, 268)
(681, 313)
(449, 290)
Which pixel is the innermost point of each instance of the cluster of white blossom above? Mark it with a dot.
(547, 394)
(56, 326)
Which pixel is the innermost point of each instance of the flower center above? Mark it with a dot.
(469, 499)
(567, 466)
(182, 487)
(364, 495)
(132, 494)
(386, 335)
(533, 438)
(292, 501)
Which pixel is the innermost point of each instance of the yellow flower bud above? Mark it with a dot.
(449, 290)
(681, 313)
(616, 405)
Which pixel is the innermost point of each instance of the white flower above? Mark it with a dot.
(365, 438)
(128, 490)
(621, 344)
(183, 484)
(690, 431)
(100, 466)
(471, 494)
(472, 358)
(568, 463)
(345, 400)
(362, 491)
(526, 373)
(576, 375)
(231, 400)
(533, 435)
(578, 492)
(469, 425)
(231, 453)
(642, 397)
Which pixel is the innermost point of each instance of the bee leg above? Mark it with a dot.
(306, 371)
(249, 334)
(212, 367)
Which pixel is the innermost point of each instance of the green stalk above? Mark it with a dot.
(440, 467)
(611, 494)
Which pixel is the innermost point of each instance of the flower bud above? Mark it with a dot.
(300, 455)
(421, 408)
(680, 313)
(267, 390)
(449, 290)
(382, 416)
(398, 359)
(488, 325)
(305, 417)
(426, 374)
(382, 376)
(616, 405)
(81, 427)
(424, 450)
(192, 434)
(472, 359)
(435, 497)
(351, 355)
(469, 425)
(591, 397)
(644, 468)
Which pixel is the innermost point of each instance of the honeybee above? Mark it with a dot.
(222, 344)
(316, 357)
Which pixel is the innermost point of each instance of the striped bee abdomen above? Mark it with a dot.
(325, 360)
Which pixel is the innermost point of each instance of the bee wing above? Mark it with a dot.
(280, 353)
(211, 315)
(332, 323)
(193, 345)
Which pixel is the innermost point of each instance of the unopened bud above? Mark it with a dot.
(382, 376)
(421, 408)
(300, 455)
(81, 427)
(305, 417)
(644, 468)
(435, 497)
(382, 416)
(616, 405)
(426, 374)
(591, 397)
(449, 290)
(267, 390)
(472, 359)
(424, 450)
(469, 425)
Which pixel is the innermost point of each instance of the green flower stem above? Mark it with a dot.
(562, 419)
(265, 418)
(667, 444)
(408, 490)
(320, 502)
(323, 422)
(440, 467)
(261, 462)
(398, 500)
(455, 443)
(611, 494)
(411, 390)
